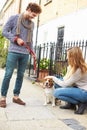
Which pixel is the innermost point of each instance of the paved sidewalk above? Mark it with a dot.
(35, 116)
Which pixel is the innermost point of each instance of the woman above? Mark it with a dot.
(74, 85)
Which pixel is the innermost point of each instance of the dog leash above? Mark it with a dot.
(32, 53)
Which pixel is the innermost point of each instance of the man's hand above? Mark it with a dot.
(20, 42)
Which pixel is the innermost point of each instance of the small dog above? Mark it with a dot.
(48, 89)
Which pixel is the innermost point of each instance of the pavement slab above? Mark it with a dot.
(34, 115)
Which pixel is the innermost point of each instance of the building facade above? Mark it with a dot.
(63, 21)
(60, 20)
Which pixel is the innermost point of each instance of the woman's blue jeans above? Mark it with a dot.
(14, 59)
(72, 95)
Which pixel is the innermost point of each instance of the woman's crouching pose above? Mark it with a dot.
(73, 87)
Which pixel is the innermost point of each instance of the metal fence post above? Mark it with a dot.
(38, 62)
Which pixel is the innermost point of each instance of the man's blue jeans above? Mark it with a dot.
(14, 59)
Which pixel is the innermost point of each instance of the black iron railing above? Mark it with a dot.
(56, 54)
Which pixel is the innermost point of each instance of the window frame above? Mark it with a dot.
(47, 2)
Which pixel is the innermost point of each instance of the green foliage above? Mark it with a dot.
(2, 40)
(64, 70)
(33, 82)
(61, 67)
(44, 64)
(3, 52)
(3, 56)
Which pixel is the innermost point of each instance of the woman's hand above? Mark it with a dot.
(48, 77)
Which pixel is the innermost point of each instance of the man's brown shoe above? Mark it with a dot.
(3, 103)
(19, 101)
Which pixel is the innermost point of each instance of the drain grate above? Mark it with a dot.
(74, 124)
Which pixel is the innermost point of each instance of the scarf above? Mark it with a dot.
(21, 20)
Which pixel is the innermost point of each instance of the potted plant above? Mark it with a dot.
(44, 68)
(44, 64)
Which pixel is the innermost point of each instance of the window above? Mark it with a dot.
(60, 35)
(60, 38)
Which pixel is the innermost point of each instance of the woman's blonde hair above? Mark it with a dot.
(75, 61)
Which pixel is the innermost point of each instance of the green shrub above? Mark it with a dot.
(3, 52)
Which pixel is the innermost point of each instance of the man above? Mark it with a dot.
(19, 30)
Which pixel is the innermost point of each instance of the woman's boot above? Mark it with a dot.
(81, 108)
(69, 106)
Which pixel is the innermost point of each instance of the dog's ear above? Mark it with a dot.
(51, 82)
